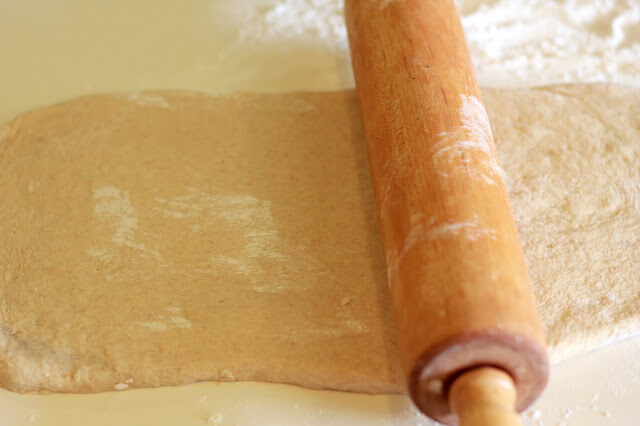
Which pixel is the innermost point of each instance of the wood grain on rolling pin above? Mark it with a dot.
(460, 288)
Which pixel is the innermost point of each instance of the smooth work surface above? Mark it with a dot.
(57, 50)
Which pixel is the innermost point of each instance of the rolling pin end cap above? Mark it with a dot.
(522, 359)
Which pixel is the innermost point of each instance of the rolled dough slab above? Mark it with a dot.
(161, 238)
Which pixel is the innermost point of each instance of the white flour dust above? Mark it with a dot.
(162, 323)
(148, 99)
(113, 207)
(468, 146)
(513, 43)
(244, 215)
(430, 229)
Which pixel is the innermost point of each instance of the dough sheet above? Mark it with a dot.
(162, 238)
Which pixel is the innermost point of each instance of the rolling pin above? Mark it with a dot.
(469, 334)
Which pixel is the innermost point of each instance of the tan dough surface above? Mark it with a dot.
(167, 237)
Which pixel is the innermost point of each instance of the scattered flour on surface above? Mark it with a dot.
(148, 99)
(113, 204)
(513, 43)
(114, 208)
(521, 43)
(215, 419)
(154, 325)
(250, 217)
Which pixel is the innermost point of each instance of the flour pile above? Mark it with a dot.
(512, 43)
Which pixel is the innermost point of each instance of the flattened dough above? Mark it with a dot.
(160, 238)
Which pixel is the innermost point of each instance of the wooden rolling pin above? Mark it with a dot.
(469, 333)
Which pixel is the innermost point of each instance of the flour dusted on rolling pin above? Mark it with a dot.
(464, 149)
(472, 230)
(471, 138)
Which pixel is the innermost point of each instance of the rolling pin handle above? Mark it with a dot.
(484, 396)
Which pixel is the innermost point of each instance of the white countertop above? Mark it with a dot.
(52, 51)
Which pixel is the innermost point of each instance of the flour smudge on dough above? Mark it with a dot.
(148, 99)
(247, 216)
(113, 206)
(176, 320)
